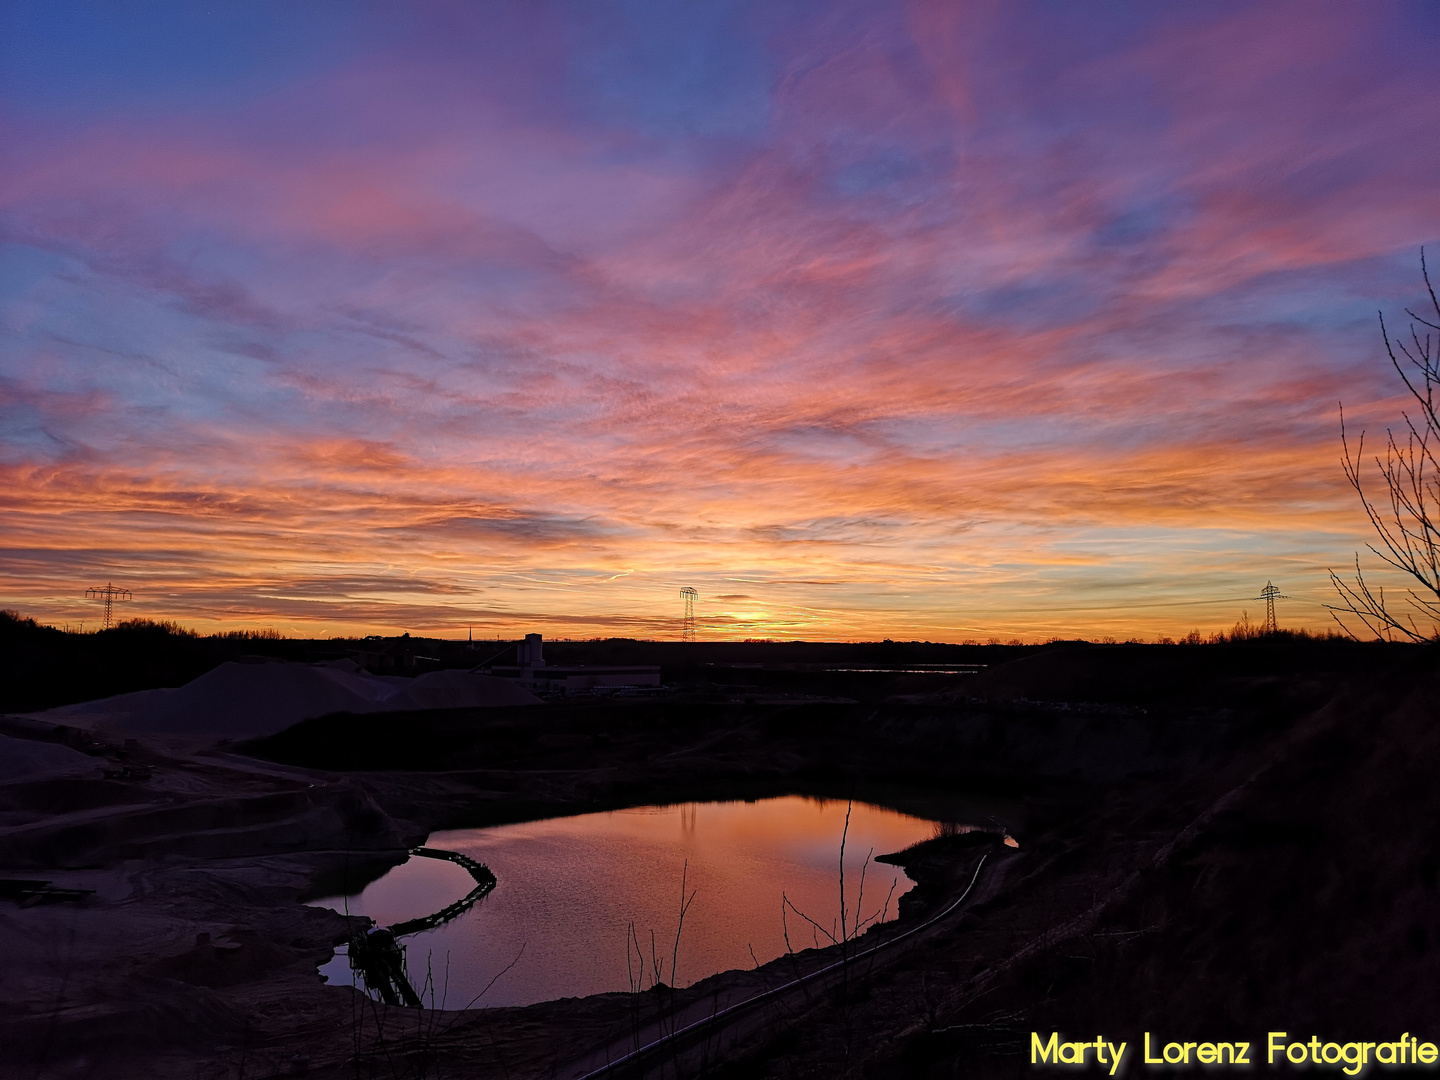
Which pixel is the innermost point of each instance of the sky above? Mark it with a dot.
(938, 321)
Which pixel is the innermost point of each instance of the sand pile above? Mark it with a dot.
(23, 759)
(243, 701)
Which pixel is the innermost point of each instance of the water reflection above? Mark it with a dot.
(570, 890)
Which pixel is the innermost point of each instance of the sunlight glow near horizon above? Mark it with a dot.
(920, 320)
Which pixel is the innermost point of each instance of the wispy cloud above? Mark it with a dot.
(918, 320)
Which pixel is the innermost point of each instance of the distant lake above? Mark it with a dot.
(570, 890)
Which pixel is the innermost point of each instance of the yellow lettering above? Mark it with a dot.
(1290, 1053)
(1242, 1053)
(1353, 1054)
(1274, 1046)
(1076, 1052)
(1205, 1053)
(1385, 1053)
(1325, 1053)
(1046, 1051)
(1148, 1059)
(1115, 1052)
(1427, 1054)
(1180, 1053)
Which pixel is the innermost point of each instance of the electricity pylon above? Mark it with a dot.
(109, 593)
(1270, 594)
(687, 632)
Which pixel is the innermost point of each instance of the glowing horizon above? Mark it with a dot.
(921, 321)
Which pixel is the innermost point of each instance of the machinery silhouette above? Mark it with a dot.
(377, 955)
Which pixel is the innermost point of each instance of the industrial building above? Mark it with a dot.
(531, 672)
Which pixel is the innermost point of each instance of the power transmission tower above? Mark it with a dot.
(109, 593)
(1270, 594)
(690, 595)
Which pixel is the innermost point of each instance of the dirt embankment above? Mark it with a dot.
(187, 931)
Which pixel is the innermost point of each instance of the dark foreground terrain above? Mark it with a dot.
(1215, 842)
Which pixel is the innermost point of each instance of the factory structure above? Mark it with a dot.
(531, 672)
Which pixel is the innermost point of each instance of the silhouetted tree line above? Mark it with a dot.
(42, 666)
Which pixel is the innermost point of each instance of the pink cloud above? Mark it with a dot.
(396, 323)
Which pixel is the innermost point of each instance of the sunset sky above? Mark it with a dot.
(931, 320)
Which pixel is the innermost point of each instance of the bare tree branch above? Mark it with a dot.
(1407, 519)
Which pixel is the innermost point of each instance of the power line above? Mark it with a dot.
(108, 593)
(687, 631)
(1270, 594)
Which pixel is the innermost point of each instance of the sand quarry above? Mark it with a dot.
(1214, 842)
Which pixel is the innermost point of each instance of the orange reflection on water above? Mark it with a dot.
(570, 889)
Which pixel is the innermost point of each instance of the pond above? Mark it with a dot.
(577, 898)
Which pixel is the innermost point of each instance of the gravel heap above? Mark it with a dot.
(248, 700)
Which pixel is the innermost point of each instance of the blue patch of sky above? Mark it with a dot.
(894, 178)
(1393, 282)
(1336, 303)
(876, 173)
(666, 70)
(22, 267)
(65, 296)
(24, 427)
(1332, 175)
(1142, 222)
(142, 354)
(1035, 303)
(114, 55)
(1026, 83)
